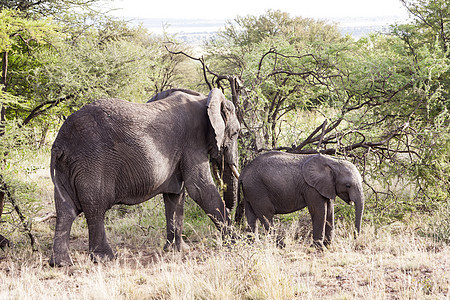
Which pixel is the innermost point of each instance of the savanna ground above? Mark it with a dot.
(395, 261)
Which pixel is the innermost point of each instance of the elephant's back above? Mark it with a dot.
(97, 136)
(271, 163)
(98, 121)
(83, 128)
(276, 171)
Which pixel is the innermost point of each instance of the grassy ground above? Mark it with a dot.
(389, 262)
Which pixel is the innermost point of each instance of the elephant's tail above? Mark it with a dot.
(240, 205)
(62, 191)
(56, 153)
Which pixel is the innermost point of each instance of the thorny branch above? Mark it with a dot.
(40, 109)
(201, 60)
(325, 138)
(5, 190)
(233, 81)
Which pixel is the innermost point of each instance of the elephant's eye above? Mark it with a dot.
(348, 185)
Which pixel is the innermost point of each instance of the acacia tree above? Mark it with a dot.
(18, 35)
(258, 51)
(433, 20)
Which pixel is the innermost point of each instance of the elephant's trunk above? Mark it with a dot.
(359, 209)
(231, 182)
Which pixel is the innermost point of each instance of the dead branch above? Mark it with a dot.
(233, 81)
(201, 60)
(4, 188)
(47, 217)
(323, 133)
(380, 145)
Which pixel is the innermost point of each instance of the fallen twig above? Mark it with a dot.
(47, 217)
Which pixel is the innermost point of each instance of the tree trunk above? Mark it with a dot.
(2, 201)
(3, 83)
(3, 242)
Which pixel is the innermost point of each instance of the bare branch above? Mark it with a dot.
(323, 133)
(201, 60)
(40, 109)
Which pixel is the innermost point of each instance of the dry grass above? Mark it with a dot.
(394, 263)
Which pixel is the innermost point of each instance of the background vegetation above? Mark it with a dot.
(299, 85)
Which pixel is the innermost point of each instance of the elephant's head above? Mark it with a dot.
(223, 137)
(331, 177)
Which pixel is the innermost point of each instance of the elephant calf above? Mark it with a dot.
(281, 183)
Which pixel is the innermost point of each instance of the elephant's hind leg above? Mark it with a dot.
(96, 197)
(174, 206)
(251, 217)
(60, 254)
(65, 215)
(94, 209)
(98, 244)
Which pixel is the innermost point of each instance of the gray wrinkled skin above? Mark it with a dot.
(280, 183)
(116, 152)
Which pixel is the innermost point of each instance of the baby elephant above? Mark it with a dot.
(281, 183)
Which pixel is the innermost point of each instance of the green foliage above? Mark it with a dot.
(381, 101)
(270, 53)
(84, 57)
(132, 66)
(431, 22)
(438, 225)
(24, 199)
(27, 198)
(17, 32)
(20, 36)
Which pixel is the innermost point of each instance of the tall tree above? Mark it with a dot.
(21, 35)
(432, 21)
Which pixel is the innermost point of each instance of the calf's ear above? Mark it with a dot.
(319, 175)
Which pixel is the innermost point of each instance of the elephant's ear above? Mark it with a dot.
(319, 175)
(215, 106)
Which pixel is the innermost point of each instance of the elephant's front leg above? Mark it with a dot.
(174, 207)
(201, 188)
(329, 226)
(318, 210)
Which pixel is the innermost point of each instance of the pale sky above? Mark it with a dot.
(229, 9)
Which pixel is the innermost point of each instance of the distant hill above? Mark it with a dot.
(195, 31)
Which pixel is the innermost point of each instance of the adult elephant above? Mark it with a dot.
(116, 152)
(280, 183)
